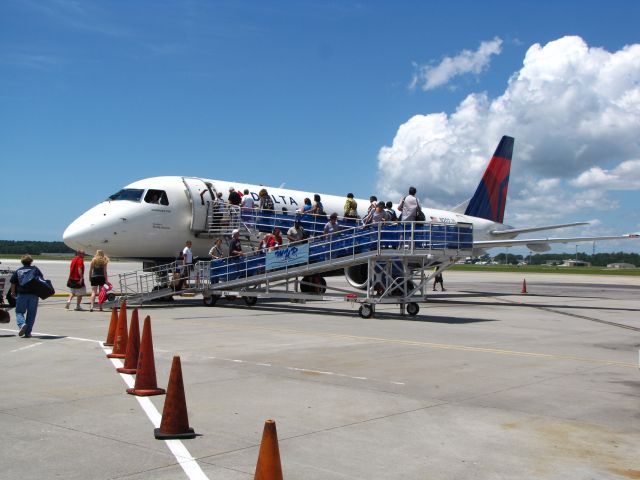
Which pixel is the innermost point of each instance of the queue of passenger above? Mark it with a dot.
(377, 212)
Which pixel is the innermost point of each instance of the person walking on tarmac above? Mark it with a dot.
(187, 260)
(438, 279)
(76, 280)
(26, 301)
(97, 275)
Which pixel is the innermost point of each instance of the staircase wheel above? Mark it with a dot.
(366, 310)
(319, 284)
(413, 309)
(250, 301)
(210, 301)
(322, 288)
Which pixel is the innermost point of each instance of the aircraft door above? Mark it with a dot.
(200, 198)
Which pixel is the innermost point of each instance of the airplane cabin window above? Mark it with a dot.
(131, 194)
(156, 196)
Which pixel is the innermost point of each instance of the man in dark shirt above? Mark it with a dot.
(26, 301)
(234, 197)
(235, 249)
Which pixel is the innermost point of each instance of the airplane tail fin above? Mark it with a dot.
(491, 195)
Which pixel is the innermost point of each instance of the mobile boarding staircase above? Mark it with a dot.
(397, 256)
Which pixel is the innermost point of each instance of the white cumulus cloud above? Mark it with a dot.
(429, 77)
(625, 176)
(574, 111)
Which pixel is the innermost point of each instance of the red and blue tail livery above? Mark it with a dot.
(491, 195)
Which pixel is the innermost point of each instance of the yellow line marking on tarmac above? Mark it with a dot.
(445, 346)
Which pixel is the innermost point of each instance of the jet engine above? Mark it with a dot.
(539, 247)
(357, 276)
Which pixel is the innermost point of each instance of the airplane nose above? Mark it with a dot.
(97, 228)
(76, 235)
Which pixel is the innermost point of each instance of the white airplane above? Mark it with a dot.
(151, 219)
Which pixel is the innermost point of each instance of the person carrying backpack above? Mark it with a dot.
(26, 299)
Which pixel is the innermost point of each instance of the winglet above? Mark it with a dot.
(491, 195)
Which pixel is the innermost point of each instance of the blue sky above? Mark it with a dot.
(331, 97)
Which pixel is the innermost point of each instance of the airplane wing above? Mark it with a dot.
(542, 244)
(518, 231)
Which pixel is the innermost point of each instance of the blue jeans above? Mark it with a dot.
(26, 302)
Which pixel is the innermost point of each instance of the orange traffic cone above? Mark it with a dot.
(120, 342)
(133, 346)
(524, 286)
(146, 383)
(268, 467)
(175, 422)
(111, 334)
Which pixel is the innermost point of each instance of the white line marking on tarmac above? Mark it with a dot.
(28, 346)
(50, 334)
(85, 340)
(184, 458)
(299, 369)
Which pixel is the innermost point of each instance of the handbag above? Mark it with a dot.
(33, 283)
(104, 289)
(420, 217)
(42, 288)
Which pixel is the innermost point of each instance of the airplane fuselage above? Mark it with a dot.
(132, 227)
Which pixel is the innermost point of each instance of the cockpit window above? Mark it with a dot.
(156, 196)
(131, 194)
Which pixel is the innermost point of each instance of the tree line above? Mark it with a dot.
(32, 247)
(597, 260)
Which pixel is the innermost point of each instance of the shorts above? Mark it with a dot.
(97, 281)
(79, 291)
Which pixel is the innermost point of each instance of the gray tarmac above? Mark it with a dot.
(484, 383)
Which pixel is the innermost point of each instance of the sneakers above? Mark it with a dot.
(23, 331)
(67, 306)
(79, 308)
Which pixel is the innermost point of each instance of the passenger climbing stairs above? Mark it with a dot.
(400, 257)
